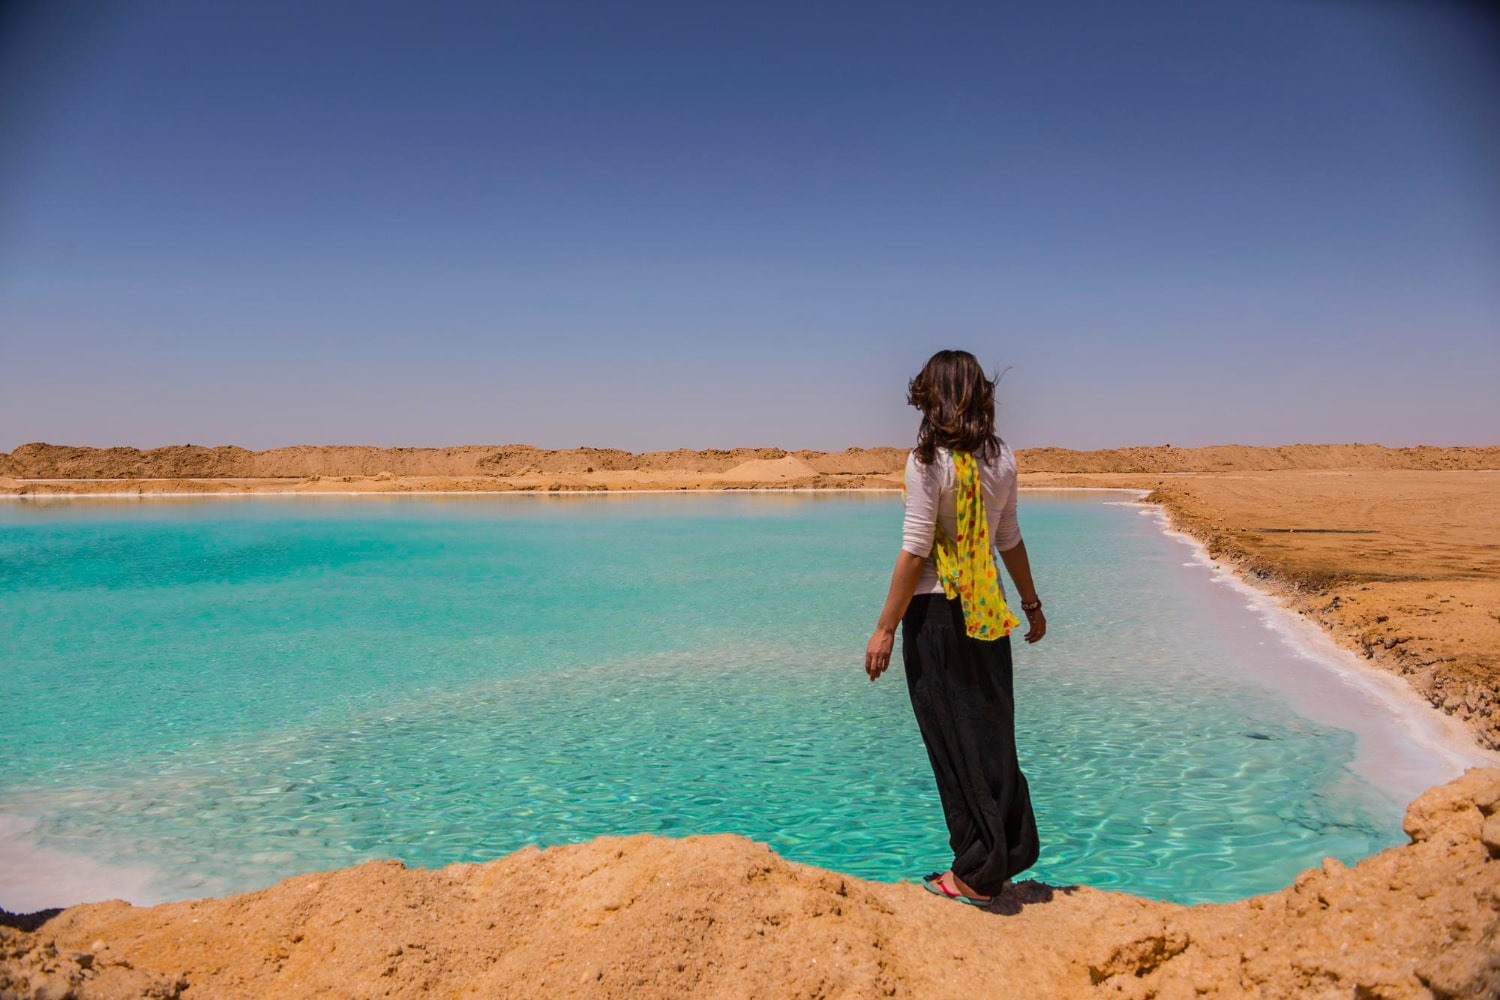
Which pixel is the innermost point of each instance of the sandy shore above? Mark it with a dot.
(1396, 553)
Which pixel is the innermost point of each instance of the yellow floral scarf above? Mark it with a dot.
(966, 565)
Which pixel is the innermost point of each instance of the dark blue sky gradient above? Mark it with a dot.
(648, 225)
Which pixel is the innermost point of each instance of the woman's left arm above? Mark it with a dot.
(1019, 568)
(1012, 551)
(904, 580)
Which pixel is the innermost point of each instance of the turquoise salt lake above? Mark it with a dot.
(204, 696)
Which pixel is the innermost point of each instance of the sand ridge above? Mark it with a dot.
(188, 462)
(192, 462)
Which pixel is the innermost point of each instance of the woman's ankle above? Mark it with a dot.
(964, 889)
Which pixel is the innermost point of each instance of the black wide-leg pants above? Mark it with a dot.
(961, 692)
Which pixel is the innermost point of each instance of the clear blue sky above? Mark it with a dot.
(646, 225)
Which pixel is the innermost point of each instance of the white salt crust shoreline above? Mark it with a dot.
(1403, 745)
(35, 877)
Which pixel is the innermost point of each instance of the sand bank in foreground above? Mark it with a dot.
(721, 916)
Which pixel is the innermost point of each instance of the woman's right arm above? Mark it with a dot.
(918, 526)
(904, 579)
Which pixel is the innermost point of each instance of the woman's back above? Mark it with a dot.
(931, 491)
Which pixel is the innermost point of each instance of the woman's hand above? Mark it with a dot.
(1036, 623)
(878, 652)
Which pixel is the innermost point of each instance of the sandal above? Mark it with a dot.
(934, 884)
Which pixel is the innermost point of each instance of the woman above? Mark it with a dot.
(955, 624)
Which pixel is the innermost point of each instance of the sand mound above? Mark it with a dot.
(768, 470)
(857, 461)
(712, 460)
(721, 916)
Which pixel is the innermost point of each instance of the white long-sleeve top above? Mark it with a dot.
(931, 492)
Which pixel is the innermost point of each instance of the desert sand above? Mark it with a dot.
(1396, 552)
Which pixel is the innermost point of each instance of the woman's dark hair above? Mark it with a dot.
(957, 401)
